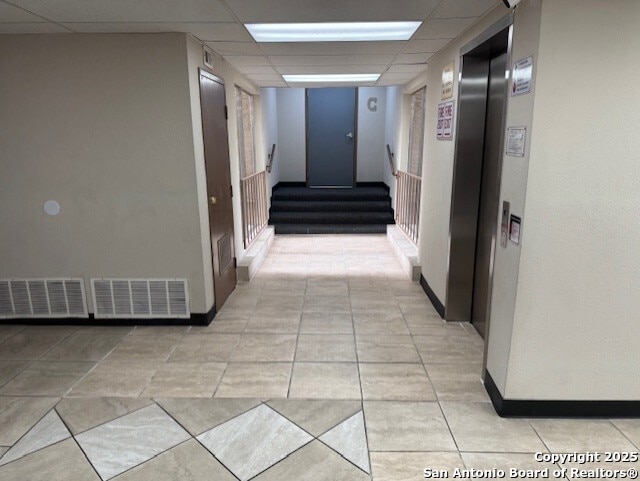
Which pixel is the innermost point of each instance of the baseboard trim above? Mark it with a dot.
(203, 319)
(432, 296)
(551, 409)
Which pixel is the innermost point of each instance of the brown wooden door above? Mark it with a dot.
(216, 158)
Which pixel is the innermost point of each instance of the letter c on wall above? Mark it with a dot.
(372, 104)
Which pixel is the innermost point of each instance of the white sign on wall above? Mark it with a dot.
(445, 121)
(447, 81)
(522, 76)
(516, 141)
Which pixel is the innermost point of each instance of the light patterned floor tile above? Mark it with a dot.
(316, 416)
(63, 461)
(350, 440)
(119, 445)
(49, 430)
(82, 414)
(19, 414)
(254, 441)
(200, 415)
(187, 462)
(477, 427)
(314, 462)
(410, 466)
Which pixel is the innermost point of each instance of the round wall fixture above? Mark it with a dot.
(51, 207)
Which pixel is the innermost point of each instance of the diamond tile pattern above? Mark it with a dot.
(130, 440)
(254, 441)
(48, 431)
(350, 440)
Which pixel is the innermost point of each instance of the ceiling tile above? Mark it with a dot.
(128, 11)
(9, 13)
(331, 10)
(204, 31)
(443, 28)
(464, 8)
(331, 59)
(330, 48)
(404, 68)
(262, 83)
(265, 77)
(420, 46)
(399, 76)
(32, 28)
(251, 69)
(234, 48)
(241, 60)
(327, 69)
(413, 57)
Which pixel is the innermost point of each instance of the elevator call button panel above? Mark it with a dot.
(504, 225)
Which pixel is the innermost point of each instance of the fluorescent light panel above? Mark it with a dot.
(321, 78)
(332, 32)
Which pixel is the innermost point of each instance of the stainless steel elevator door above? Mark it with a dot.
(489, 189)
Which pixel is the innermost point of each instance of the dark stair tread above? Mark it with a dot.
(331, 218)
(330, 229)
(331, 206)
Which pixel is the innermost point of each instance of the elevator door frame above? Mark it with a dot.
(463, 221)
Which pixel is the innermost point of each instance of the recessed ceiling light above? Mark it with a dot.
(319, 78)
(332, 32)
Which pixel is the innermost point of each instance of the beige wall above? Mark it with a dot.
(110, 127)
(577, 321)
(101, 124)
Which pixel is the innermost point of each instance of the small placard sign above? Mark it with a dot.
(522, 76)
(516, 141)
(447, 81)
(445, 121)
(514, 229)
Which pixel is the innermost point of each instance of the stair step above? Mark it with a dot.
(331, 218)
(331, 194)
(330, 206)
(330, 229)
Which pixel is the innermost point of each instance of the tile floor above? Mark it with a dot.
(330, 365)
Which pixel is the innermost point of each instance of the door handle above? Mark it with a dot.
(349, 135)
(213, 200)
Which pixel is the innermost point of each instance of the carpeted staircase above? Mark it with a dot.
(301, 210)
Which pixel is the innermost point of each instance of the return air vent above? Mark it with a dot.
(140, 298)
(45, 298)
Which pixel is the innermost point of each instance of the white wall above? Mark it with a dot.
(269, 121)
(371, 151)
(291, 134)
(100, 123)
(513, 188)
(576, 324)
(393, 135)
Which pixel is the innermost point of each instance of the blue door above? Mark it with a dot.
(331, 137)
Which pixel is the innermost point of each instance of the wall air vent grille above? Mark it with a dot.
(140, 298)
(42, 298)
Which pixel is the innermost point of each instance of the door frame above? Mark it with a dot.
(205, 73)
(455, 312)
(306, 139)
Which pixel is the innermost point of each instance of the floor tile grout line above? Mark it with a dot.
(635, 445)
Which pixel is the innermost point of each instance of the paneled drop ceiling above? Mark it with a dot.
(219, 24)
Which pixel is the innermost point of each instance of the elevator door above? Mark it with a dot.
(489, 188)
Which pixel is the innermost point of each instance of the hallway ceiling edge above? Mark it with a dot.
(220, 25)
